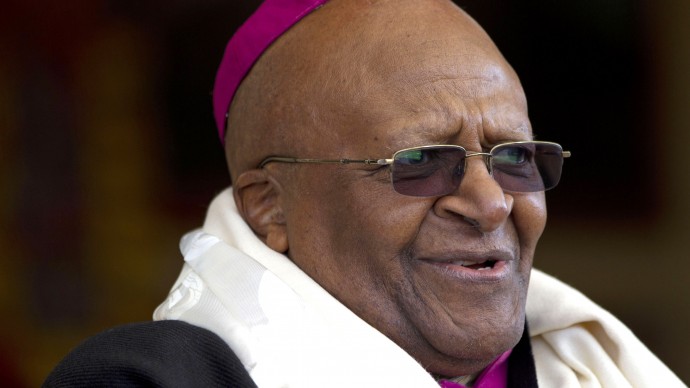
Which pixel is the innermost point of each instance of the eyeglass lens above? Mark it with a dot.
(438, 170)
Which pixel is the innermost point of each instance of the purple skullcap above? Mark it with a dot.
(269, 22)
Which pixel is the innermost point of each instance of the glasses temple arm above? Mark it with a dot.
(281, 159)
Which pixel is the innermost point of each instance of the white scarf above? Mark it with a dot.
(289, 332)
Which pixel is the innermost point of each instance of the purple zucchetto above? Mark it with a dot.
(268, 23)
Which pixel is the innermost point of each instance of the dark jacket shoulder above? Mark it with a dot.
(154, 354)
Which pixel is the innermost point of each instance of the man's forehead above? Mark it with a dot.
(391, 43)
(390, 57)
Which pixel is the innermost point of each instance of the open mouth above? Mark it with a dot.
(475, 265)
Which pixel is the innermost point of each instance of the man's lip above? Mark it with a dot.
(471, 257)
(487, 266)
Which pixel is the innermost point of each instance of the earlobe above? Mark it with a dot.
(258, 201)
(276, 238)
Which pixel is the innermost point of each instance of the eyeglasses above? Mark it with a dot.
(435, 170)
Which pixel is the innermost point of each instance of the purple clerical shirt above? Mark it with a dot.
(493, 376)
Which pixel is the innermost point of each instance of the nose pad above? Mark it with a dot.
(487, 158)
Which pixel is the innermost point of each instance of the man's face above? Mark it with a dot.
(444, 277)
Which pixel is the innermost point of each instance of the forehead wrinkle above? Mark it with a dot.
(445, 87)
(477, 78)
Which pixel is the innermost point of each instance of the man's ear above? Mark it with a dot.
(257, 199)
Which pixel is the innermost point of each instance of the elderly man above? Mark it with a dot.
(387, 200)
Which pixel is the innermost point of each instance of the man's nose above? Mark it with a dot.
(479, 200)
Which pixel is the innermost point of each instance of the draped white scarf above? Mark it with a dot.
(289, 332)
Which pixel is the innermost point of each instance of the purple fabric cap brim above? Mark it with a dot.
(269, 22)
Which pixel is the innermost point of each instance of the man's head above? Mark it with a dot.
(361, 79)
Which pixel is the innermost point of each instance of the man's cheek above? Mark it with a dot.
(529, 215)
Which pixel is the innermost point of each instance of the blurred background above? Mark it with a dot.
(109, 154)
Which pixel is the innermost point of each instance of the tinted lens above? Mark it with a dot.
(527, 167)
(428, 171)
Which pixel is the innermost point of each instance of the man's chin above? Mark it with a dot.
(470, 353)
